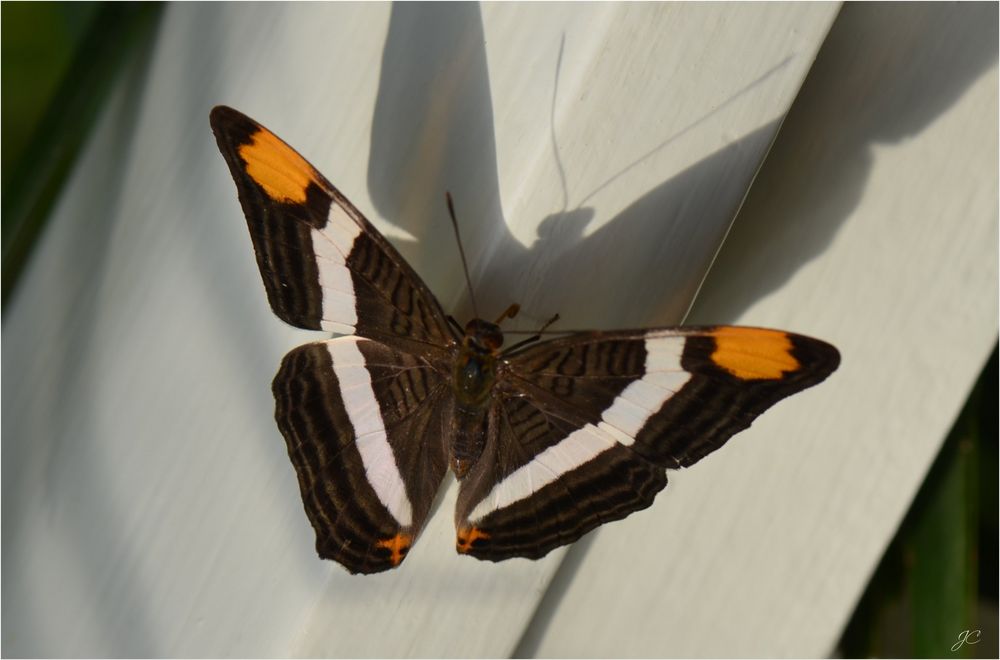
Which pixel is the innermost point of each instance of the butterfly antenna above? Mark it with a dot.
(461, 251)
(552, 126)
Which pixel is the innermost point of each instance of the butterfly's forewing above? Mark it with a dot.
(586, 425)
(361, 415)
(323, 264)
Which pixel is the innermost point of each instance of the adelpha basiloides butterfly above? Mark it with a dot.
(548, 440)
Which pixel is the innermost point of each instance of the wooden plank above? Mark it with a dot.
(873, 224)
(149, 507)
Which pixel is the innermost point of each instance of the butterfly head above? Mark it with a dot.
(483, 336)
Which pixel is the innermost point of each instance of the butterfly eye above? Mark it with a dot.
(492, 339)
(484, 335)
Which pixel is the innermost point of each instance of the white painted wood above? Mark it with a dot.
(873, 224)
(148, 504)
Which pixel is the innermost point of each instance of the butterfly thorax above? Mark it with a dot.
(474, 374)
(475, 365)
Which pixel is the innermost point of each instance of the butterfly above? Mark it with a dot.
(548, 438)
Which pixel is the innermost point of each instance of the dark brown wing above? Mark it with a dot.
(364, 432)
(324, 266)
(586, 426)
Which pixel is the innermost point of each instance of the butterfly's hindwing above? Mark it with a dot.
(545, 482)
(364, 431)
(605, 414)
(323, 264)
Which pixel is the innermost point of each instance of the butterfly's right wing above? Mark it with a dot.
(324, 266)
(364, 429)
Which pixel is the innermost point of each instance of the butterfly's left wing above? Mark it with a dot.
(584, 427)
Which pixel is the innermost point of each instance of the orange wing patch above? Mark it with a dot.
(277, 168)
(467, 537)
(398, 545)
(754, 354)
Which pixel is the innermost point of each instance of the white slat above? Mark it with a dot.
(149, 506)
(873, 224)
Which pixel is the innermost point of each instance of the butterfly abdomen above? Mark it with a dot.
(468, 437)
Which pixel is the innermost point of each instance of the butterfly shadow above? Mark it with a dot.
(433, 131)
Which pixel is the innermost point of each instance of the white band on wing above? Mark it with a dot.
(369, 430)
(331, 245)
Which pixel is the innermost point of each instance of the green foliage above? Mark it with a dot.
(39, 40)
(59, 62)
(937, 582)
